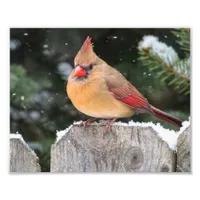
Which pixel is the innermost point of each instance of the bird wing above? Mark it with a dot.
(125, 92)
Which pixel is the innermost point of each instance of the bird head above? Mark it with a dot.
(85, 59)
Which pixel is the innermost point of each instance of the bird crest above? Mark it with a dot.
(86, 54)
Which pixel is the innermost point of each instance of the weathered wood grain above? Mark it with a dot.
(22, 158)
(123, 149)
(183, 151)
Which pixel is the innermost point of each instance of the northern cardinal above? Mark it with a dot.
(100, 91)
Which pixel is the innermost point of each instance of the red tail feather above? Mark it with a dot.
(166, 117)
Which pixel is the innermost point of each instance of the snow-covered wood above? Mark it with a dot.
(22, 158)
(126, 148)
(132, 147)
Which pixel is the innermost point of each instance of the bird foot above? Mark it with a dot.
(108, 125)
(88, 122)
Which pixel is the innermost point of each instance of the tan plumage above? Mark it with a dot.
(93, 98)
(98, 90)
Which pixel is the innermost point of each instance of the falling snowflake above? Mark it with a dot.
(22, 98)
(45, 46)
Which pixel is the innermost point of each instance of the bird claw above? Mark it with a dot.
(108, 126)
(88, 122)
(106, 130)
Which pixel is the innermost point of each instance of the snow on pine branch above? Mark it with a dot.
(183, 67)
(158, 49)
(164, 55)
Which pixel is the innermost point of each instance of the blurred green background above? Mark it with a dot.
(41, 61)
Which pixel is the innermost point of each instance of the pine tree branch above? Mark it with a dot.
(166, 64)
(183, 39)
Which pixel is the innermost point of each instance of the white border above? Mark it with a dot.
(98, 14)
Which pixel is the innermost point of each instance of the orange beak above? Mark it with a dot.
(79, 71)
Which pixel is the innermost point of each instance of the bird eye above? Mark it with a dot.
(89, 67)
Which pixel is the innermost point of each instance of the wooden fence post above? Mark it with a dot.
(183, 151)
(22, 158)
(124, 149)
(132, 148)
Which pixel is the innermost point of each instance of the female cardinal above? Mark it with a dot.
(100, 91)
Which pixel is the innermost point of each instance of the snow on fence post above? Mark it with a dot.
(132, 147)
(22, 158)
(126, 148)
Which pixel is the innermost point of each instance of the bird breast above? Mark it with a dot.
(92, 98)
